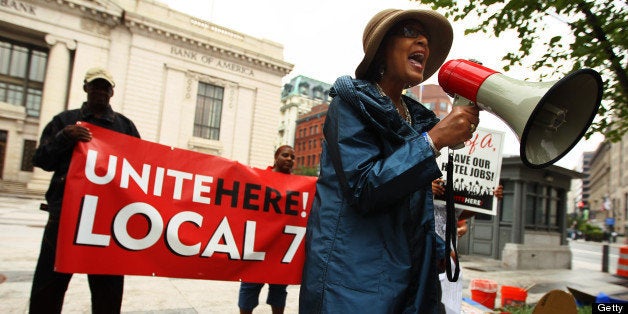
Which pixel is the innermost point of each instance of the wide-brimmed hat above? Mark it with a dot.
(98, 73)
(436, 25)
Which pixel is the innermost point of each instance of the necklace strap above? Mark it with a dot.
(405, 115)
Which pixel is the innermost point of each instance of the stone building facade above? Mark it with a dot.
(607, 199)
(185, 82)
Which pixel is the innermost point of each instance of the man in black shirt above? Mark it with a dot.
(54, 154)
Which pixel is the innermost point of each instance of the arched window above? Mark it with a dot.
(304, 88)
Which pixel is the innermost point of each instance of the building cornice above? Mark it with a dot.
(104, 11)
(137, 23)
(204, 37)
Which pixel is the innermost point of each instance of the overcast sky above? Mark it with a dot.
(323, 39)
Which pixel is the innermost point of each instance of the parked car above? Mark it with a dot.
(574, 234)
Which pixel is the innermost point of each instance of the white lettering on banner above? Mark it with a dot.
(249, 244)
(84, 233)
(178, 183)
(88, 214)
(90, 168)
(199, 188)
(159, 181)
(299, 234)
(156, 225)
(256, 197)
(172, 233)
(128, 171)
(222, 232)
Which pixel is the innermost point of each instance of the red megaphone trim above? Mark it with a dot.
(463, 77)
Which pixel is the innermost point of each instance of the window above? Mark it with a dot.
(3, 145)
(443, 106)
(542, 206)
(317, 92)
(286, 90)
(22, 72)
(304, 89)
(507, 205)
(27, 155)
(208, 111)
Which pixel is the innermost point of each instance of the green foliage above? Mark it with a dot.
(523, 309)
(591, 232)
(586, 227)
(598, 40)
(307, 171)
(528, 309)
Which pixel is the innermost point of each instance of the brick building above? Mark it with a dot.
(309, 136)
(432, 97)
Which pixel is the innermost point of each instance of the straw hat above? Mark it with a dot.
(437, 26)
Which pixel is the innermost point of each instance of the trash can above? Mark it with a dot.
(484, 292)
(513, 296)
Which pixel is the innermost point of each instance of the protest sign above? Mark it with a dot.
(476, 172)
(134, 207)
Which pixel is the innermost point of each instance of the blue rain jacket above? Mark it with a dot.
(370, 243)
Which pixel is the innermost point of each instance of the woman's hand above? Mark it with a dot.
(499, 192)
(457, 127)
(462, 228)
(438, 187)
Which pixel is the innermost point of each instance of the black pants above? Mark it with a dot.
(49, 286)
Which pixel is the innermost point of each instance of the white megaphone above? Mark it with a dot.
(548, 118)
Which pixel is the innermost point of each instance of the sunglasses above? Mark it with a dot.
(410, 31)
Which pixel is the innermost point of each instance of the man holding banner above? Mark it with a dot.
(54, 153)
(249, 292)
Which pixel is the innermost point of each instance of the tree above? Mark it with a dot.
(307, 171)
(598, 40)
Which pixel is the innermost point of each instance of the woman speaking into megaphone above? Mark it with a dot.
(371, 246)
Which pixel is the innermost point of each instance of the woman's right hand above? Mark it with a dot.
(457, 127)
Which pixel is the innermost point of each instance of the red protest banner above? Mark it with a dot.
(135, 207)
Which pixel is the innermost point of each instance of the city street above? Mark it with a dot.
(588, 255)
(21, 227)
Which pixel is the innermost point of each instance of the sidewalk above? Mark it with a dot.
(21, 228)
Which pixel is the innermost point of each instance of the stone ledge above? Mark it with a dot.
(522, 256)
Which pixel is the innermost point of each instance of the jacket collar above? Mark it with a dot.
(87, 113)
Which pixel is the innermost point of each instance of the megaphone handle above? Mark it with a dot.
(457, 146)
(460, 101)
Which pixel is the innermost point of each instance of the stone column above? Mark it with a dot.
(518, 217)
(54, 95)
